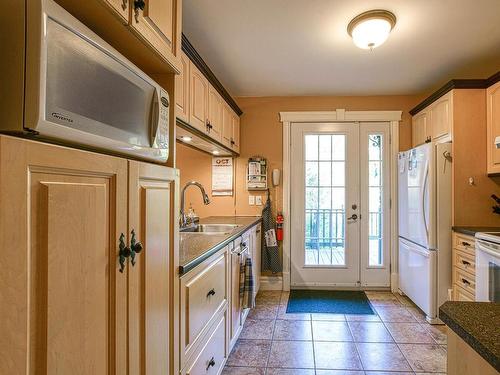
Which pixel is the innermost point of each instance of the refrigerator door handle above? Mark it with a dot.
(426, 179)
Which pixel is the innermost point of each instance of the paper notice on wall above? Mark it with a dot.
(270, 237)
(222, 176)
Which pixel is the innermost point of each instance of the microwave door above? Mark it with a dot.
(95, 97)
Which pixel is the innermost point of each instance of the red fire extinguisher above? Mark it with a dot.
(279, 226)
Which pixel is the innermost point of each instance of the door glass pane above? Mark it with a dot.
(325, 200)
(375, 204)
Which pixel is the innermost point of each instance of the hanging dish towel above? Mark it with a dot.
(246, 284)
(270, 257)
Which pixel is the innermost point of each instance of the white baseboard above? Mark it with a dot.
(271, 283)
(394, 282)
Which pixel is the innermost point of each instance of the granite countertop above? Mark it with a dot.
(471, 231)
(194, 248)
(478, 324)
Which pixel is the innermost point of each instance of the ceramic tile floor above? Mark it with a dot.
(396, 341)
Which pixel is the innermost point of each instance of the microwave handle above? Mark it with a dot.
(155, 118)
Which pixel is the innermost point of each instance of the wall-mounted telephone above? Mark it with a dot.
(276, 177)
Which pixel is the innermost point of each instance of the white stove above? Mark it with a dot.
(488, 266)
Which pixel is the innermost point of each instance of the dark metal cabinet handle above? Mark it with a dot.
(465, 263)
(139, 4)
(465, 243)
(124, 252)
(211, 292)
(232, 142)
(466, 282)
(135, 247)
(124, 4)
(211, 363)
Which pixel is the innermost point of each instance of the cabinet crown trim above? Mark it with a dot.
(456, 84)
(198, 61)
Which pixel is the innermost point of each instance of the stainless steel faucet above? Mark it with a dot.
(183, 218)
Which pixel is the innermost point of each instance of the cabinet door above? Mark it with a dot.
(182, 90)
(152, 280)
(120, 7)
(420, 126)
(493, 126)
(64, 301)
(235, 294)
(441, 117)
(215, 104)
(157, 25)
(227, 125)
(198, 103)
(236, 132)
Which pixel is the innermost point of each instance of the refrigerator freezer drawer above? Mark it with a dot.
(417, 276)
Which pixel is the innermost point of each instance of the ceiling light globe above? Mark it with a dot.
(371, 29)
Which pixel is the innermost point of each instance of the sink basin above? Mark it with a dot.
(211, 228)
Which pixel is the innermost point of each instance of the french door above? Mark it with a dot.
(340, 189)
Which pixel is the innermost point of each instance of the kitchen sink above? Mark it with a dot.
(211, 228)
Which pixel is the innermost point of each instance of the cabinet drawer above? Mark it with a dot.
(460, 294)
(205, 294)
(213, 355)
(464, 243)
(464, 261)
(464, 280)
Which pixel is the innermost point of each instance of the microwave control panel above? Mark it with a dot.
(162, 132)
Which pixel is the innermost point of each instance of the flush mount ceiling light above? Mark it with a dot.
(370, 29)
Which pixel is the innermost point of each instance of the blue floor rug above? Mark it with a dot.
(328, 301)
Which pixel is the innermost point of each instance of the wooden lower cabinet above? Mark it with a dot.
(463, 267)
(63, 299)
(153, 281)
(462, 359)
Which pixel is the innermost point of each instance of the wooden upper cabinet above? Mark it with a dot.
(120, 7)
(215, 105)
(227, 125)
(64, 300)
(442, 117)
(152, 217)
(420, 128)
(182, 90)
(198, 98)
(236, 132)
(156, 24)
(493, 127)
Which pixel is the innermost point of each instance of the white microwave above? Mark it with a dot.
(80, 90)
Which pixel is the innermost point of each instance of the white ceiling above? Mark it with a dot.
(301, 47)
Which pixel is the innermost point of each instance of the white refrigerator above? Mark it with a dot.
(424, 203)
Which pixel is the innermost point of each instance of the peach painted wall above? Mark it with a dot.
(261, 134)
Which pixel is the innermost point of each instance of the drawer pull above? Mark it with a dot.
(465, 263)
(211, 292)
(211, 363)
(466, 244)
(466, 282)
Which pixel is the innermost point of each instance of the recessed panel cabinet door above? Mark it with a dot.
(182, 90)
(64, 299)
(152, 218)
(227, 125)
(420, 128)
(156, 24)
(215, 104)
(198, 98)
(236, 132)
(493, 127)
(441, 116)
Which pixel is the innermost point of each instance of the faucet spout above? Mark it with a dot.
(206, 200)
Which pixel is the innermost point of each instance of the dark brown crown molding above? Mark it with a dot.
(456, 84)
(197, 60)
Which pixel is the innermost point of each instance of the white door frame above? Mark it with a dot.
(340, 115)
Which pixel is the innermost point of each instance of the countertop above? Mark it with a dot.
(194, 248)
(471, 231)
(478, 324)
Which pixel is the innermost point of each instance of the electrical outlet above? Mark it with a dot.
(258, 200)
(251, 200)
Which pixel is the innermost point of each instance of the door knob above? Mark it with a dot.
(124, 252)
(353, 217)
(135, 247)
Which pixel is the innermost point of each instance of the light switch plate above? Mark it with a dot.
(251, 200)
(258, 200)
